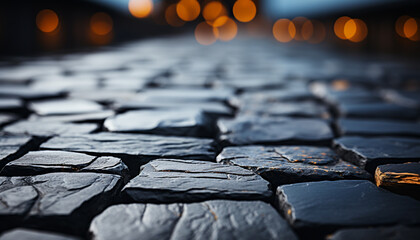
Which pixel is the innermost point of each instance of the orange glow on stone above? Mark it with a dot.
(244, 10)
(140, 8)
(205, 34)
(188, 10)
(47, 21)
(101, 23)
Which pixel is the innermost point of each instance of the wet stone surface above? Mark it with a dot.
(371, 152)
(217, 219)
(180, 122)
(28, 234)
(171, 180)
(385, 233)
(291, 164)
(310, 207)
(50, 201)
(380, 110)
(400, 178)
(63, 107)
(12, 147)
(257, 130)
(40, 162)
(363, 127)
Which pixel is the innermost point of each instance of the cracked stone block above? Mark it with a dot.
(63, 202)
(180, 122)
(322, 207)
(301, 109)
(7, 118)
(40, 162)
(12, 147)
(368, 153)
(381, 110)
(365, 127)
(135, 149)
(291, 164)
(28, 234)
(64, 107)
(275, 96)
(216, 219)
(171, 180)
(248, 130)
(384, 233)
(400, 178)
(49, 129)
(214, 109)
(105, 96)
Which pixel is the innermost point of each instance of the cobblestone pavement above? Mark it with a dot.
(166, 139)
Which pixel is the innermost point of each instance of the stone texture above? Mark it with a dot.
(27, 234)
(381, 110)
(7, 118)
(179, 122)
(217, 219)
(291, 164)
(52, 201)
(40, 162)
(28, 93)
(364, 127)
(12, 147)
(171, 180)
(49, 129)
(371, 152)
(135, 149)
(11, 105)
(322, 207)
(63, 107)
(400, 178)
(383, 233)
(99, 116)
(257, 130)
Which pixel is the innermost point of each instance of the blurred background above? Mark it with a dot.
(43, 26)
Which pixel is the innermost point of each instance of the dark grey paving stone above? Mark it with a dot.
(368, 153)
(301, 109)
(63, 202)
(400, 178)
(49, 129)
(11, 105)
(215, 109)
(366, 127)
(291, 164)
(65, 106)
(217, 219)
(28, 234)
(99, 116)
(135, 149)
(28, 93)
(406, 98)
(384, 233)
(381, 110)
(179, 122)
(106, 96)
(248, 130)
(276, 95)
(342, 93)
(187, 94)
(171, 180)
(12, 147)
(40, 162)
(322, 207)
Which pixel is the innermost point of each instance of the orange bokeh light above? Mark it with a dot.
(188, 10)
(47, 21)
(205, 34)
(399, 25)
(226, 31)
(339, 27)
(319, 32)
(244, 10)
(171, 17)
(101, 23)
(307, 30)
(284, 30)
(212, 11)
(350, 29)
(140, 8)
(410, 27)
(361, 31)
